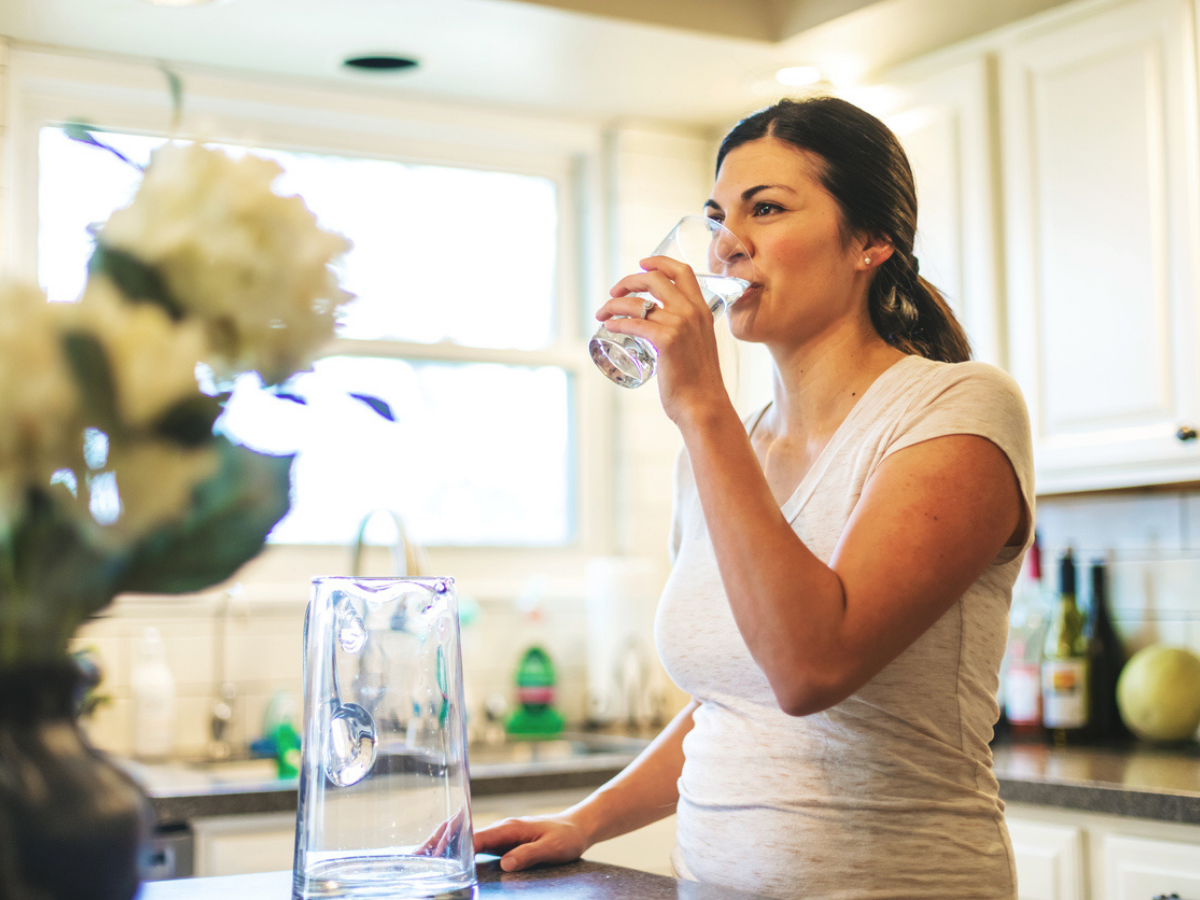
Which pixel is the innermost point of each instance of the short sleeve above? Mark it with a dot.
(980, 399)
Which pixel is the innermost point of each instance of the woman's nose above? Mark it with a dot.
(731, 255)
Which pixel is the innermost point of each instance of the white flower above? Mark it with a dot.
(40, 426)
(253, 265)
(153, 359)
(154, 485)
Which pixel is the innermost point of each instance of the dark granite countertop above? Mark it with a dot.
(580, 880)
(1161, 783)
(182, 791)
(1138, 780)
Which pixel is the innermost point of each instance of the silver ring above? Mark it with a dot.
(648, 305)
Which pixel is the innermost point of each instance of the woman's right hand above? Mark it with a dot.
(531, 840)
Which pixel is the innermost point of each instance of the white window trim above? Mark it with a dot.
(46, 87)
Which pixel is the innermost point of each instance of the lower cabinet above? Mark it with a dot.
(1137, 869)
(1066, 855)
(1049, 859)
(242, 845)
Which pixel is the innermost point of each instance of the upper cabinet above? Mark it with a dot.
(1098, 123)
(942, 119)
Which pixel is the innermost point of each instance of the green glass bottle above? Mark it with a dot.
(1065, 664)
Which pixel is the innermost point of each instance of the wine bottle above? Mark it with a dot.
(1065, 664)
(1105, 659)
(1028, 623)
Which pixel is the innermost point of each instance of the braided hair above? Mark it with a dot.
(866, 171)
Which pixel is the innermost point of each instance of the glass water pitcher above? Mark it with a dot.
(384, 808)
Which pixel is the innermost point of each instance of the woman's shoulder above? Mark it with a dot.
(972, 379)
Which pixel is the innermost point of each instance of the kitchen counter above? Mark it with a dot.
(580, 880)
(1160, 783)
(182, 791)
(1135, 780)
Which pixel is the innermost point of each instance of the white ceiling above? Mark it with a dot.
(691, 61)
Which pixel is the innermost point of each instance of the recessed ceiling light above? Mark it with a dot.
(798, 76)
(380, 62)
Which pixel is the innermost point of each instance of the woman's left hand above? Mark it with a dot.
(680, 328)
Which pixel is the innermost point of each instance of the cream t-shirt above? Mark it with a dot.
(890, 793)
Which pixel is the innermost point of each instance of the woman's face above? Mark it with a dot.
(808, 278)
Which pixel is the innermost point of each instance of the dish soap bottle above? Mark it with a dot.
(153, 689)
(535, 715)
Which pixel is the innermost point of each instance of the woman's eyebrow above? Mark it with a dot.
(749, 194)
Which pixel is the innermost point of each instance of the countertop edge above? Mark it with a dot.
(1104, 799)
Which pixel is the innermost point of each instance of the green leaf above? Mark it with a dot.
(135, 279)
(93, 374)
(380, 407)
(232, 513)
(56, 581)
(190, 421)
(77, 131)
(175, 87)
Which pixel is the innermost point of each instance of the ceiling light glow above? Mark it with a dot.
(798, 76)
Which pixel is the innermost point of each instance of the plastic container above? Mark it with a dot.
(153, 689)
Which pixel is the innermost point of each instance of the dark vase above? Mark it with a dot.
(72, 824)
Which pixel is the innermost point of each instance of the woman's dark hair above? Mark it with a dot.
(867, 172)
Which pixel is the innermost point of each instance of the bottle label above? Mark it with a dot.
(1064, 693)
(1023, 694)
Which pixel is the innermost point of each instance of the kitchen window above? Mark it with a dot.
(457, 324)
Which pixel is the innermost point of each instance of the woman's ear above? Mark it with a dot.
(874, 252)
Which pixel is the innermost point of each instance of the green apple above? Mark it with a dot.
(1158, 693)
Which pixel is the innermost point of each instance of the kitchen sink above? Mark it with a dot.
(567, 747)
(565, 752)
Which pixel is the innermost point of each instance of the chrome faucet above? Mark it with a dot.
(221, 720)
(407, 557)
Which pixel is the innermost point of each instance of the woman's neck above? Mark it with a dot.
(817, 385)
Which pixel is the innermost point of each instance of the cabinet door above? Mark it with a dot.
(1049, 860)
(942, 118)
(242, 845)
(1099, 123)
(1141, 869)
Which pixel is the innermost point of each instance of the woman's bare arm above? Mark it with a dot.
(644, 792)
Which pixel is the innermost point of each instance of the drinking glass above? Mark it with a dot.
(722, 267)
(384, 806)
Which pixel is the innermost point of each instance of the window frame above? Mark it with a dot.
(48, 88)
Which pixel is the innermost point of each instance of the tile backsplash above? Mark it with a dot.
(1151, 543)
(263, 656)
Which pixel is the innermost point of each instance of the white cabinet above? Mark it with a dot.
(242, 845)
(1061, 853)
(942, 117)
(1139, 869)
(1049, 859)
(1098, 121)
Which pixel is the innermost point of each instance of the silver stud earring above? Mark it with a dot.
(867, 260)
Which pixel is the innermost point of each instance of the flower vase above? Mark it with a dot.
(72, 824)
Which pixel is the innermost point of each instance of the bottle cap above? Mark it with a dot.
(1066, 573)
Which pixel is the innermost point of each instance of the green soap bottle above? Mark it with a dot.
(535, 715)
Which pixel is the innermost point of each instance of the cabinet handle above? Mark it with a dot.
(1186, 433)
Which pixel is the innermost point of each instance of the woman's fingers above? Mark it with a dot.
(529, 841)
